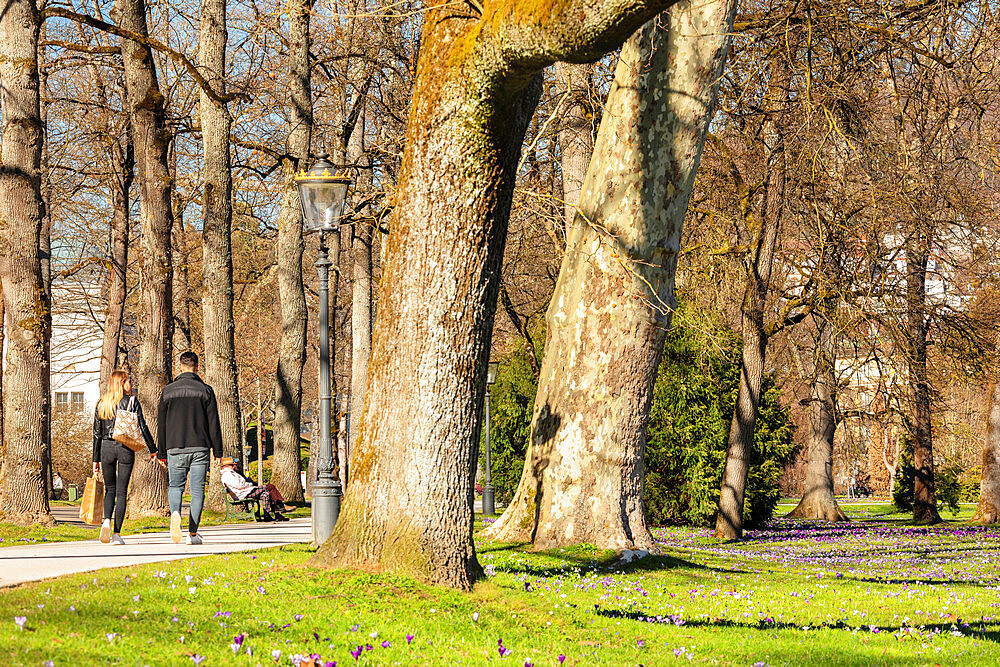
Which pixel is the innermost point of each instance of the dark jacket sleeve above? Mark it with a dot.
(98, 430)
(161, 430)
(214, 427)
(146, 435)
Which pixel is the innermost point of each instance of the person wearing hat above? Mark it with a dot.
(271, 499)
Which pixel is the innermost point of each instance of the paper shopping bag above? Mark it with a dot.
(92, 507)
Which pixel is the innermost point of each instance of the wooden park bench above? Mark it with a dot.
(248, 508)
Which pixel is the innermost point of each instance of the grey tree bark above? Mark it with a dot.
(361, 286)
(180, 254)
(918, 252)
(607, 321)
(576, 133)
(22, 488)
(819, 501)
(988, 510)
(144, 101)
(290, 246)
(217, 257)
(763, 220)
(409, 509)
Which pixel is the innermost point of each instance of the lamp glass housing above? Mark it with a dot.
(491, 372)
(322, 196)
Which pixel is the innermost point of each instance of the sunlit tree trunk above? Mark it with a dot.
(917, 256)
(583, 474)
(409, 509)
(290, 246)
(361, 289)
(217, 259)
(576, 132)
(22, 488)
(819, 501)
(763, 221)
(989, 488)
(144, 101)
(122, 164)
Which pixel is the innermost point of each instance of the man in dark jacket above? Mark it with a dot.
(188, 429)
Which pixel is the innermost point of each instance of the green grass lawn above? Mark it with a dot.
(873, 591)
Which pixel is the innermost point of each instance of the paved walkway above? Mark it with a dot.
(43, 561)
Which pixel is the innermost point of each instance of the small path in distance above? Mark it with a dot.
(43, 561)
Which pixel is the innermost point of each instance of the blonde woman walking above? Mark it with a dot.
(112, 458)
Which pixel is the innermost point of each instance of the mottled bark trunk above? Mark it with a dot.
(989, 488)
(121, 168)
(291, 293)
(818, 500)
(144, 101)
(583, 475)
(217, 258)
(410, 505)
(576, 133)
(758, 265)
(921, 434)
(23, 499)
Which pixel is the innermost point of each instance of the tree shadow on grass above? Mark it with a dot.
(987, 630)
(597, 561)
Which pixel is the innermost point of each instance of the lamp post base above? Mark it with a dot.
(489, 507)
(326, 497)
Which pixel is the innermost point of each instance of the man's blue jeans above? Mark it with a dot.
(179, 465)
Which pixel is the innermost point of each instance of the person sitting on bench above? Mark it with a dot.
(270, 498)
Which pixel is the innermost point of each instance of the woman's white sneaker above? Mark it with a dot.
(106, 531)
(193, 539)
(117, 539)
(175, 527)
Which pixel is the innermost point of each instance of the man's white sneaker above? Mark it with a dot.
(193, 539)
(106, 531)
(175, 527)
(117, 539)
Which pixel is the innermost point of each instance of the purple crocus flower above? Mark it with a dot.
(276, 654)
(386, 644)
(197, 659)
(356, 652)
(298, 617)
(20, 620)
(561, 658)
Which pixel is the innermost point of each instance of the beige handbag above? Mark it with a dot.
(127, 430)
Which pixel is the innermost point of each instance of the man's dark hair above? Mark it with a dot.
(189, 360)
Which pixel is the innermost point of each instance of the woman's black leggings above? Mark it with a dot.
(116, 464)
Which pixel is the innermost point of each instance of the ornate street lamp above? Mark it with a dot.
(322, 195)
(489, 506)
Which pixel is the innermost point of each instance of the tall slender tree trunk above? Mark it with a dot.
(144, 101)
(989, 488)
(917, 256)
(576, 133)
(291, 293)
(361, 288)
(121, 168)
(729, 522)
(819, 501)
(217, 262)
(22, 489)
(180, 253)
(410, 505)
(583, 474)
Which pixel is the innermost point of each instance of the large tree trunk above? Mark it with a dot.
(291, 293)
(729, 522)
(583, 474)
(917, 257)
(989, 488)
(818, 501)
(148, 491)
(410, 506)
(22, 489)
(217, 262)
(180, 253)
